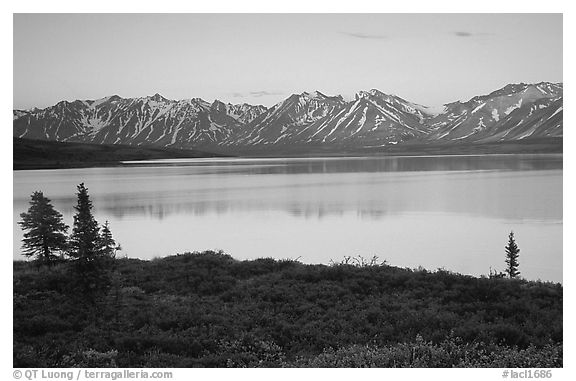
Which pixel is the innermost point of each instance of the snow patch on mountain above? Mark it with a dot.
(430, 110)
(361, 121)
(513, 107)
(94, 123)
(557, 111)
(495, 114)
(478, 107)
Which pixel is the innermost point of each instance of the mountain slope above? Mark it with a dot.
(287, 119)
(151, 120)
(513, 112)
(310, 119)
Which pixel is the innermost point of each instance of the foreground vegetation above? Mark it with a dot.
(210, 310)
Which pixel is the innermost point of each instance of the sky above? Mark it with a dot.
(429, 59)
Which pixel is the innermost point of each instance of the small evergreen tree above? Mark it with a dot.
(46, 231)
(512, 253)
(107, 244)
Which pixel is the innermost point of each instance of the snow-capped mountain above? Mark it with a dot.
(137, 121)
(373, 118)
(514, 112)
(283, 122)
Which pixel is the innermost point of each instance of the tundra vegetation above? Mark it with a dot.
(211, 310)
(87, 308)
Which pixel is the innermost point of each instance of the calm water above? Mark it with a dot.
(451, 212)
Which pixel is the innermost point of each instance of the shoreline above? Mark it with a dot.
(36, 155)
(357, 259)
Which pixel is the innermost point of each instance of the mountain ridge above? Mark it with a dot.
(373, 118)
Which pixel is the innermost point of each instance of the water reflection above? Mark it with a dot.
(360, 164)
(506, 195)
(334, 207)
(526, 187)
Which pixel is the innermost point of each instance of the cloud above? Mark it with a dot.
(462, 33)
(263, 93)
(366, 36)
(257, 94)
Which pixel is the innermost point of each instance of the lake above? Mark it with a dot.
(452, 212)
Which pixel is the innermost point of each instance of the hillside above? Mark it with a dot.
(39, 154)
(210, 310)
(528, 146)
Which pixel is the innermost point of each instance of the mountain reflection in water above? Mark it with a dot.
(314, 199)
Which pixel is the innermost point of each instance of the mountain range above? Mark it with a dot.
(310, 119)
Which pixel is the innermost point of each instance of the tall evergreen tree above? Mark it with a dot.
(91, 264)
(46, 231)
(512, 253)
(85, 237)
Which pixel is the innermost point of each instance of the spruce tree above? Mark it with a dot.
(46, 231)
(85, 237)
(91, 264)
(512, 253)
(107, 244)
